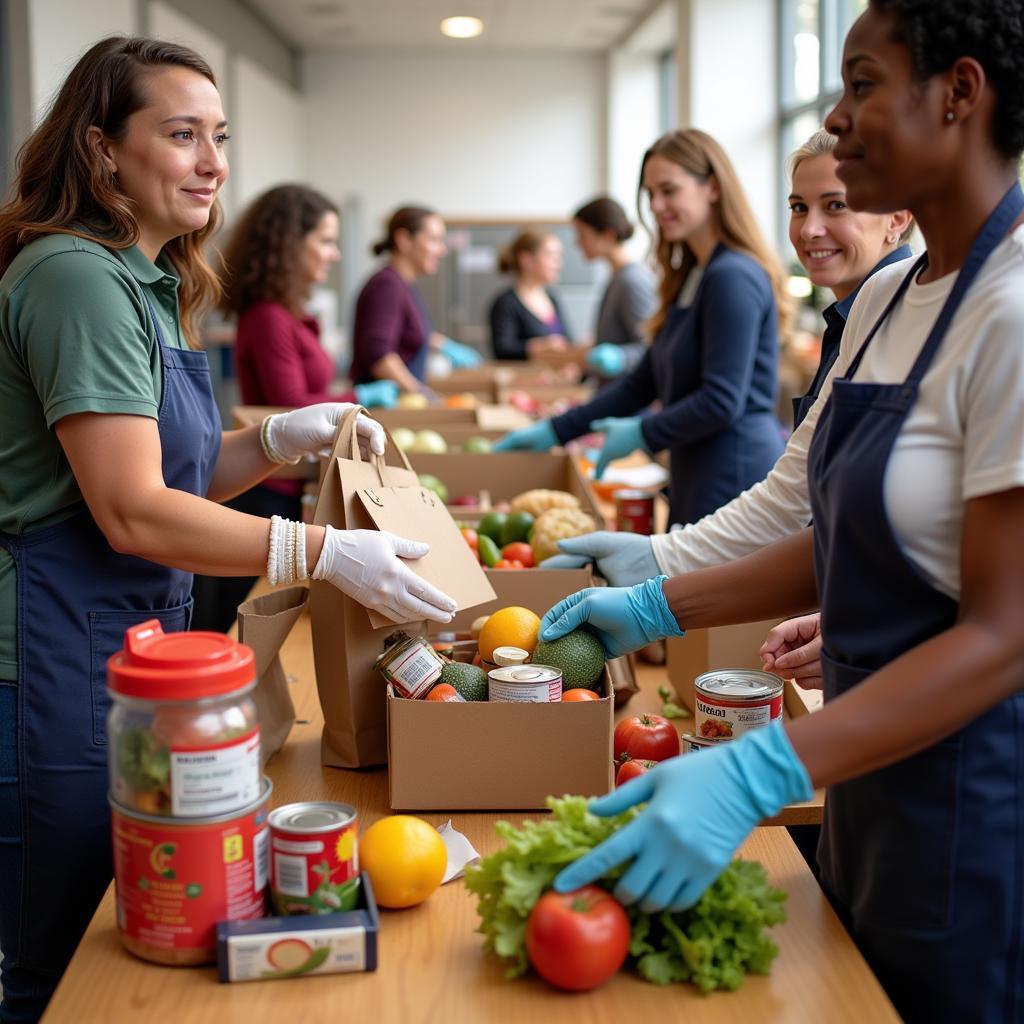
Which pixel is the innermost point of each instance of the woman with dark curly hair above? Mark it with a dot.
(916, 554)
(283, 246)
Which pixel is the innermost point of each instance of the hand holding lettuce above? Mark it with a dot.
(713, 943)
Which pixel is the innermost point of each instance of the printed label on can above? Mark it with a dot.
(175, 881)
(313, 874)
(527, 684)
(215, 780)
(415, 672)
(694, 744)
(722, 720)
(634, 512)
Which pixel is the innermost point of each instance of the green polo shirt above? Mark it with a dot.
(75, 336)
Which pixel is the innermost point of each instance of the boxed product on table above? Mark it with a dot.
(483, 755)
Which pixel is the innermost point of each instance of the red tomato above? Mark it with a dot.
(578, 693)
(646, 737)
(632, 770)
(577, 940)
(445, 692)
(506, 563)
(519, 551)
(471, 536)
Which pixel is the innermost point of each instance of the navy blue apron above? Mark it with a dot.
(924, 858)
(710, 472)
(76, 597)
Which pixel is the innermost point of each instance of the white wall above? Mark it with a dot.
(727, 73)
(496, 134)
(60, 32)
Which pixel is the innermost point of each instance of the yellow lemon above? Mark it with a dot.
(509, 627)
(405, 859)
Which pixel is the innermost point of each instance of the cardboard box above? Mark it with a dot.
(504, 475)
(502, 757)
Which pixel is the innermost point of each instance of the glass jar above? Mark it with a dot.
(183, 733)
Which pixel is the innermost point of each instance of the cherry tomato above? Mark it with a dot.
(632, 769)
(577, 940)
(578, 693)
(518, 551)
(646, 737)
(506, 563)
(445, 692)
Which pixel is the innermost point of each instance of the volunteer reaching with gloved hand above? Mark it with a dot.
(712, 364)
(113, 464)
(916, 476)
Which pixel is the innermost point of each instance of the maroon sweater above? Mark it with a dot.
(280, 361)
(390, 317)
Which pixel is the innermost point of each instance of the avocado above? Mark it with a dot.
(578, 654)
(470, 681)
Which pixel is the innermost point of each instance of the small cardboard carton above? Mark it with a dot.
(504, 475)
(502, 757)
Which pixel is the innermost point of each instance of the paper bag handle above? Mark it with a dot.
(346, 445)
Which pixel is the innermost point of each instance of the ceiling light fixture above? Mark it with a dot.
(462, 27)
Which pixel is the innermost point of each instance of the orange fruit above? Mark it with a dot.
(508, 627)
(405, 859)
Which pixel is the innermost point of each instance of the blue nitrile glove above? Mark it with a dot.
(538, 437)
(459, 355)
(700, 807)
(624, 437)
(379, 394)
(606, 360)
(621, 558)
(624, 619)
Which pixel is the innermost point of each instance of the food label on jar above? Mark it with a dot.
(415, 673)
(721, 721)
(215, 780)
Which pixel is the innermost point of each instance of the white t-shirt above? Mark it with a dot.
(964, 436)
(937, 464)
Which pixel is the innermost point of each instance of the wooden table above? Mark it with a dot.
(432, 967)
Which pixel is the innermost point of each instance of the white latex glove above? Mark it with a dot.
(367, 565)
(311, 429)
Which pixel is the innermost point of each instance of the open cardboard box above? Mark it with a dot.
(502, 757)
(736, 646)
(504, 475)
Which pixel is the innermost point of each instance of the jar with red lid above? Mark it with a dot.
(183, 734)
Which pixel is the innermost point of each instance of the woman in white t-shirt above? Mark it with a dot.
(916, 554)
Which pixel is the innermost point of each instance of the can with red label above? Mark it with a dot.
(732, 701)
(176, 878)
(314, 858)
(634, 511)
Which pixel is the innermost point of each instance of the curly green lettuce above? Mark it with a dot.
(713, 944)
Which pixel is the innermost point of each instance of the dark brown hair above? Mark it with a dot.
(63, 188)
(405, 218)
(529, 240)
(262, 261)
(700, 155)
(604, 214)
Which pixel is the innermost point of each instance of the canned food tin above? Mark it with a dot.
(634, 511)
(732, 701)
(530, 684)
(410, 665)
(695, 744)
(314, 858)
(510, 656)
(176, 878)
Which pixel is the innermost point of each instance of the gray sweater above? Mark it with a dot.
(629, 300)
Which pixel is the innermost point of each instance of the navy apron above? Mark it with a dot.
(925, 858)
(709, 473)
(76, 597)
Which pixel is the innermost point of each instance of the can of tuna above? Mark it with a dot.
(694, 744)
(177, 877)
(314, 858)
(530, 684)
(634, 511)
(732, 701)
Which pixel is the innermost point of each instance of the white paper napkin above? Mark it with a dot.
(460, 852)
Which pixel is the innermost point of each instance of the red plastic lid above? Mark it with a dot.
(155, 665)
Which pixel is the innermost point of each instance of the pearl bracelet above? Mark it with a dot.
(286, 552)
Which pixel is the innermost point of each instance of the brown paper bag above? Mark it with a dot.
(263, 624)
(345, 642)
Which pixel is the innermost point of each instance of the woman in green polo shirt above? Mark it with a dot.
(113, 464)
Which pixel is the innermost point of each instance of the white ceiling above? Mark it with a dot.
(330, 25)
